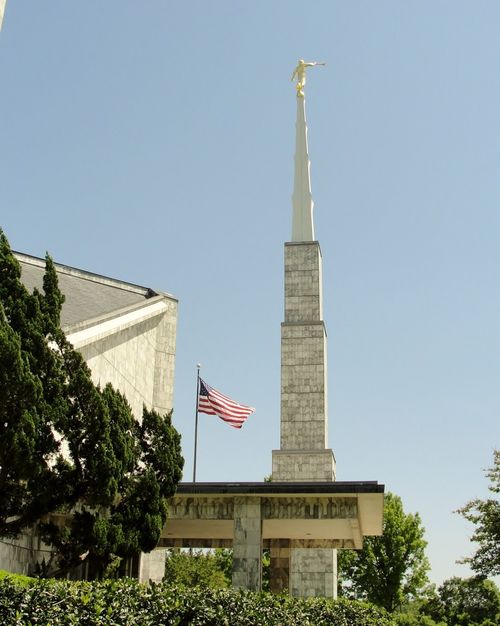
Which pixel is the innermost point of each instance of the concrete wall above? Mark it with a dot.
(138, 357)
(20, 556)
(313, 572)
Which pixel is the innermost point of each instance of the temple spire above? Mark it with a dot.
(302, 202)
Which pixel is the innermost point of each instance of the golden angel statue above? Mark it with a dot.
(300, 73)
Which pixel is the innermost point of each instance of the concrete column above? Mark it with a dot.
(152, 566)
(313, 572)
(247, 544)
(280, 565)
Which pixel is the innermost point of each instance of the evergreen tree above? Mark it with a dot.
(28, 447)
(390, 568)
(73, 459)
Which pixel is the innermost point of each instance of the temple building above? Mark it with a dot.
(127, 335)
(303, 515)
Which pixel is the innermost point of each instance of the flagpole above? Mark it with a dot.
(196, 420)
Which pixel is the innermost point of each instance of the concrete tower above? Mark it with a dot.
(304, 455)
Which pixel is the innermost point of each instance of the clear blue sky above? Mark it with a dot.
(153, 142)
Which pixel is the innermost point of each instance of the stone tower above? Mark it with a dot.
(304, 455)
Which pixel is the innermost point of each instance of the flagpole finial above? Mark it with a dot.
(198, 365)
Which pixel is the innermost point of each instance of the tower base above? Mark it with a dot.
(303, 465)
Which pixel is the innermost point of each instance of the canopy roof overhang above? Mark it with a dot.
(326, 514)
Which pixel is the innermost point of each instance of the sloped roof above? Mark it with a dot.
(87, 295)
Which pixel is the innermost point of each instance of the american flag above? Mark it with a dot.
(212, 402)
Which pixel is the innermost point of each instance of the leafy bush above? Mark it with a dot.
(18, 578)
(127, 603)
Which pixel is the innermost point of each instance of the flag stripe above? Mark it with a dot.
(212, 402)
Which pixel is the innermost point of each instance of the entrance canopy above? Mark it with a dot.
(309, 515)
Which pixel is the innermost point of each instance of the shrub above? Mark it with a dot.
(126, 603)
(18, 578)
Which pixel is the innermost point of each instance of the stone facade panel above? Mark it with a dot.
(303, 359)
(303, 466)
(302, 329)
(302, 256)
(303, 283)
(309, 508)
(202, 508)
(247, 544)
(301, 407)
(313, 572)
(302, 379)
(304, 434)
(139, 361)
(307, 351)
(307, 307)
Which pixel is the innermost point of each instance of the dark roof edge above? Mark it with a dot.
(147, 292)
(370, 486)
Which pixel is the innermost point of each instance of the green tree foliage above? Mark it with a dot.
(195, 568)
(408, 619)
(485, 514)
(190, 565)
(70, 450)
(465, 602)
(224, 560)
(411, 612)
(389, 569)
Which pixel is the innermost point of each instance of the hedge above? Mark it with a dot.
(18, 578)
(127, 603)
